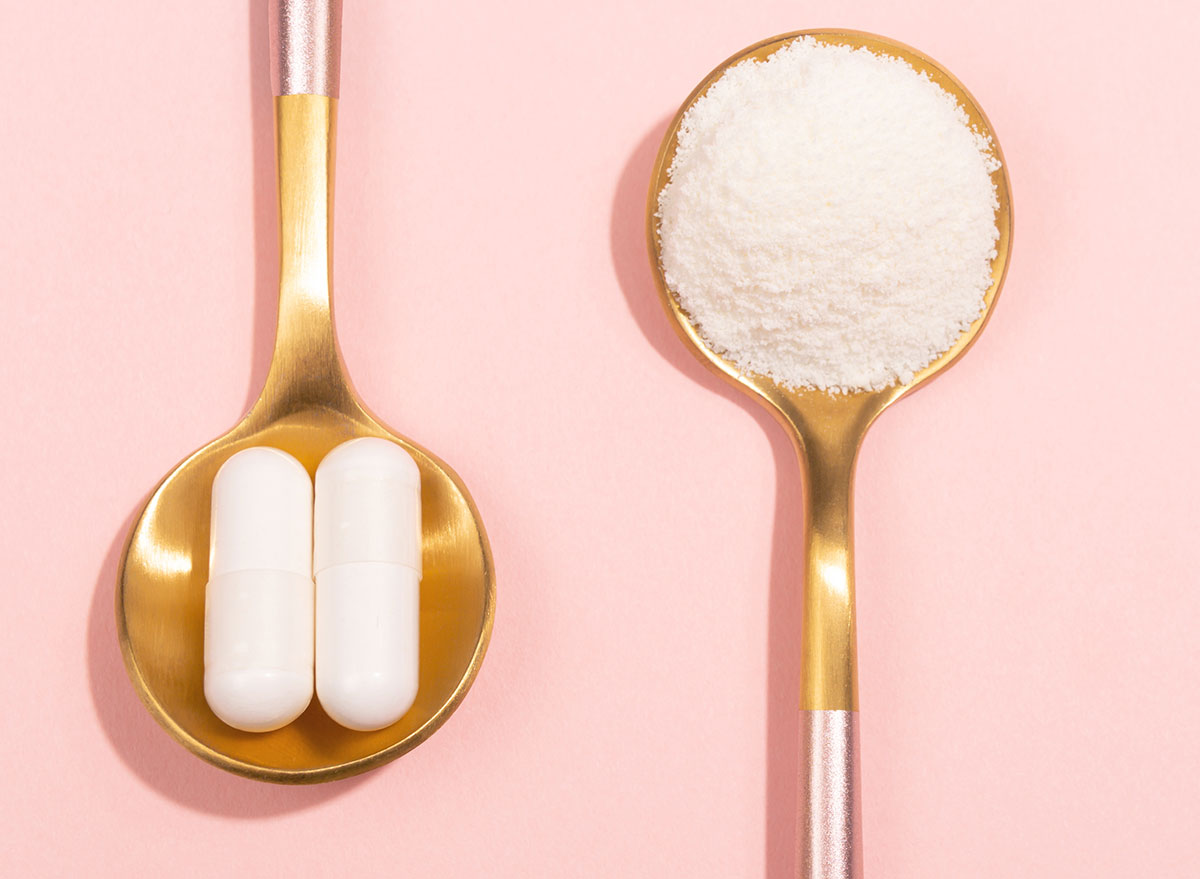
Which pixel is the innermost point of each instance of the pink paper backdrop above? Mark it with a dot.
(1028, 578)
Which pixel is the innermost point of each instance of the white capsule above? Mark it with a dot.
(258, 608)
(367, 559)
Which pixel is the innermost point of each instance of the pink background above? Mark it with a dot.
(1026, 558)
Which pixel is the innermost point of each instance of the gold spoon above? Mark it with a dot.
(307, 407)
(827, 431)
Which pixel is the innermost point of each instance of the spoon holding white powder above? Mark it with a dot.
(830, 219)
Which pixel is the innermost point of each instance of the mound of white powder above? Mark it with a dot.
(830, 218)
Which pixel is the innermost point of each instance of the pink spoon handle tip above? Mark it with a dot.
(306, 46)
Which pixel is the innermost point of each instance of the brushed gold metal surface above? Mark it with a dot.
(828, 429)
(307, 407)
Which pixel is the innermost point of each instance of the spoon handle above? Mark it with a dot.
(829, 837)
(829, 840)
(306, 47)
(306, 368)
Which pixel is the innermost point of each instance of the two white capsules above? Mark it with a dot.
(265, 626)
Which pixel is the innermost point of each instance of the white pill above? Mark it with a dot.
(367, 559)
(258, 608)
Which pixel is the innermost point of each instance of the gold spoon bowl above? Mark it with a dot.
(307, 407)
(827, 431)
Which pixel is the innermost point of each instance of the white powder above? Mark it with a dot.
(830, 218)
